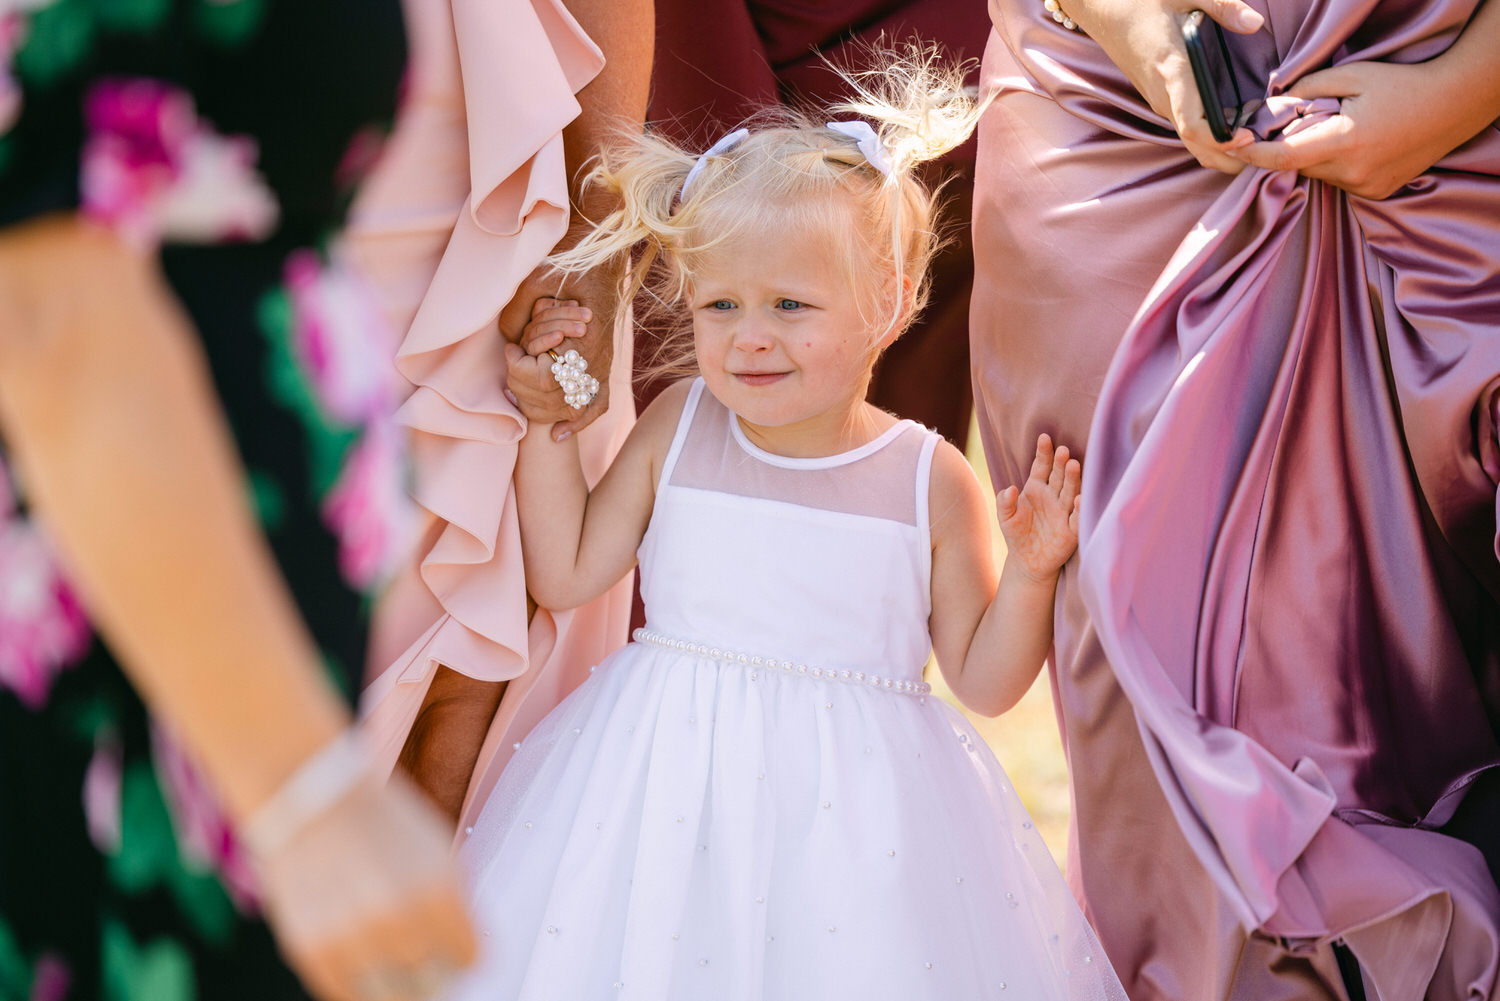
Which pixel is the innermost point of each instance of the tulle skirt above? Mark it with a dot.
(686, 828)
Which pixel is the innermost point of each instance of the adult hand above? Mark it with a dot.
(1394, 122)
(1144, 39)
(365, 899)
(599, 292)
(530, 382)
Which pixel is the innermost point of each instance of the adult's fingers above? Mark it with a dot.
(1235, 15)
(1336, 81)
(1304, 151)
(1191, 123)
(580, 419)
(329, 968)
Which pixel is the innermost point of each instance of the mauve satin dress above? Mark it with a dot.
(1278, 652)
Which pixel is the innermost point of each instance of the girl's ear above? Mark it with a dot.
(903, 317)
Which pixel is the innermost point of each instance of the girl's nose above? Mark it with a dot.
(752, 334)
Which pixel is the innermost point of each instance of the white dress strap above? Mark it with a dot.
(684, 423)
(924, 495)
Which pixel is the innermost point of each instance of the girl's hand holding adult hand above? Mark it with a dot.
(1040, 519)
(601, 289)
(1394, 122)
(1144, 39)
(530, 383)
(365, 899)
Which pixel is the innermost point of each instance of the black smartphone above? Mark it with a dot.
(1208, 52)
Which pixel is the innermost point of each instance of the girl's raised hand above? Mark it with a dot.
(1040, 520)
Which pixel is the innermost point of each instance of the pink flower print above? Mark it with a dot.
(51, 978)
(42, 626)
(369, 508)
(7, 498)
(204, 837)
(359, 158)
(102, 785)
(153, 171)
(11, 32)
(340, 338)
(12, 37)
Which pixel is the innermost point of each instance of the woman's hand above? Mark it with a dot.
(102, 381)
(601, 289)
(529, 380)
(1394, 122)
(365, 899)
(1144, 39)
(1040, 520)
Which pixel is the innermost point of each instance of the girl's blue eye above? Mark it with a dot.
(721, 304)
(790, 305)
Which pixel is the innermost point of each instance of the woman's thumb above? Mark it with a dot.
(1235, 15)
(1336, 81)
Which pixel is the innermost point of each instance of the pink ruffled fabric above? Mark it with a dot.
(471, 195)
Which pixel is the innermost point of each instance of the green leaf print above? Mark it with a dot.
(15, 972)
(267, 500)
(149, 857)
(328, 441)
(229, 23)
(162, 970)
(58, 38)
(132, 16)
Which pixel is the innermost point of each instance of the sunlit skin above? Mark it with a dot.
(781, 341)
(784, 345)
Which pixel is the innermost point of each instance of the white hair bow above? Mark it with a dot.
(868, 142)
(719, 148)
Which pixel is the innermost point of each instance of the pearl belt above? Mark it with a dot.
(759, 663)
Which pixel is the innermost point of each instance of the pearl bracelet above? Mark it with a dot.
(1055, 9)
(322, 780)
(571, 370)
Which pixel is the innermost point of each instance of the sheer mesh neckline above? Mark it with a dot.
(816, 461)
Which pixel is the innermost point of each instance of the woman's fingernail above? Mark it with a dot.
(1248, 19)
(512, 398)
(564, 436)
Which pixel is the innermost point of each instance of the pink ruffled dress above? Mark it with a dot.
(470, 196)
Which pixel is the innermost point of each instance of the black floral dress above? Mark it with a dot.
(229, 134)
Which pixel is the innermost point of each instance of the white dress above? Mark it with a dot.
(758, 798)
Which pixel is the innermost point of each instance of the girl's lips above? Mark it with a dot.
(759, 378)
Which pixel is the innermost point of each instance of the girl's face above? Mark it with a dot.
(780, 339)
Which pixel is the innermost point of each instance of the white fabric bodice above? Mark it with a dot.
(822, 561)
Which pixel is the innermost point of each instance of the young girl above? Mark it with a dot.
(758, 798)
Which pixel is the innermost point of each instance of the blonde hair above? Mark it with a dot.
(789, 172)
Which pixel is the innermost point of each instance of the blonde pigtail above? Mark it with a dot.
(788, 169)
(644, 179)
(917, 101)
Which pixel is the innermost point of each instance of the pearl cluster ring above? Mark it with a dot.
(571, 370)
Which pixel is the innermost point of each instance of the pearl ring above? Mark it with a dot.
(571, 370)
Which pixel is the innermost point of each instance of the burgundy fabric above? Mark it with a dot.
(719, 61)
(1278, 653)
